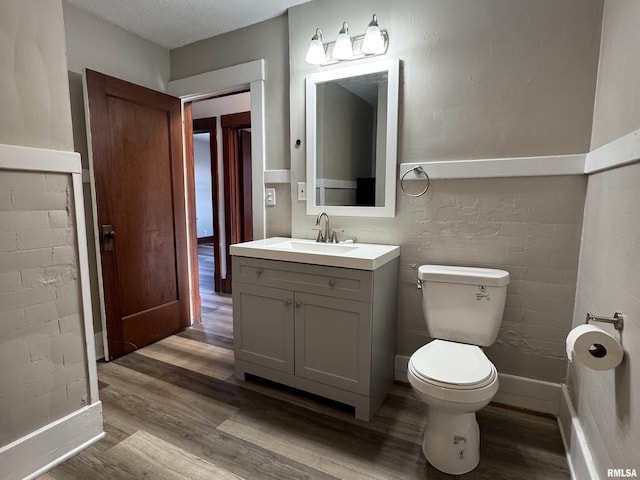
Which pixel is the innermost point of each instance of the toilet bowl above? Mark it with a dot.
(463, 309)
(455, 380)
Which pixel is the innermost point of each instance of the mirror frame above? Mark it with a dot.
(392, 67)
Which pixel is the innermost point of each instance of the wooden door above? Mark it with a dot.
(136, 141)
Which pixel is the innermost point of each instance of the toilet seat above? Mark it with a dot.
(452, 365)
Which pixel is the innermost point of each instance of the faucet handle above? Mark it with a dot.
(320, 238)
(334, 234)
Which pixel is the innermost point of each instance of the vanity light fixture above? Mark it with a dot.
(346, 48)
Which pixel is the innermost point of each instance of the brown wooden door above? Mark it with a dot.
(136, 140)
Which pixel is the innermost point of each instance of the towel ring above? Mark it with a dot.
(418, 171)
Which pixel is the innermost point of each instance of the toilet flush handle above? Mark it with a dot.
(419, 284)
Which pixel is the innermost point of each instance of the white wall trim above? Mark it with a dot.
(498, 167)
(15, 157)
(40, 451)
(227, 79)
(622, 151)
(514, 391)
(619, 152)
(529, 393)
(579, 456)
(277, 176)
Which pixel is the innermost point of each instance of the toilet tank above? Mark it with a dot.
(463, 304)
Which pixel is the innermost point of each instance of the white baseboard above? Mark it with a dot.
(529, 393)
(38, 452)
(99, 343)
(575, 442)
(514, 391)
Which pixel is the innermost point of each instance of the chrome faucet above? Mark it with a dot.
(322, 238)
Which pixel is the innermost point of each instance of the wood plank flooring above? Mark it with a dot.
(173, 410)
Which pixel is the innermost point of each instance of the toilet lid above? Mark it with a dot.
(455, 364)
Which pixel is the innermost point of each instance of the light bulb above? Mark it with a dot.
(373, 42)
(316, 54)
(343, 50)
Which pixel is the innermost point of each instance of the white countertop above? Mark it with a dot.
(361, 256)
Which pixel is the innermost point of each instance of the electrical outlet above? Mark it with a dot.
(302, 190)
(270, 197)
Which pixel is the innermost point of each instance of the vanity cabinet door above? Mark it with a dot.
(263, 326)
(333, 341)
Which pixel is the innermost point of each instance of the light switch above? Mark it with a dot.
(270, 198)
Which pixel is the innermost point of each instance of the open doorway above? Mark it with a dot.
(222, 183)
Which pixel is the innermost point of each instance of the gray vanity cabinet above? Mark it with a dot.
(326, 330)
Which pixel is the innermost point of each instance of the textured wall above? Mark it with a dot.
(34, 94)
(608, 403)
(479, 79)
(617, 106)
(99, 45)
(42, 359)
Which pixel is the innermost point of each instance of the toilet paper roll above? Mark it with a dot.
(594, 348)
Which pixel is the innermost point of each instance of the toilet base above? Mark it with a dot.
(451, 441)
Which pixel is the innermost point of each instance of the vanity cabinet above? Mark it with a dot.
(330, 331)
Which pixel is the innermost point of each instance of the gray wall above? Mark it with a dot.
(43, 364)
(608, 403)
(479, 79)
(204, 194)
(34, 93)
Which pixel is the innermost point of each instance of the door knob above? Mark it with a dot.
(108, 235)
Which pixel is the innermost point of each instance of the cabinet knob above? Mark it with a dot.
(287, 302)
(258, 273)
(332, 283)
(298, 304)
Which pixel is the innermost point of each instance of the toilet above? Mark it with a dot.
(463, 309)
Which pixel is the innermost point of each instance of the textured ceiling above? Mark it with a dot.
(174, 23)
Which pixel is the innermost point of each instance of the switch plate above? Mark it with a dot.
(270, 197)
(302, 190)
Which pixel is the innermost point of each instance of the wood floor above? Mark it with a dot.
(173, 410)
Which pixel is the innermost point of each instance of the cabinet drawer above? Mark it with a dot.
(330, 281)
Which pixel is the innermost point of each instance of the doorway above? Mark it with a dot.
(222, 159)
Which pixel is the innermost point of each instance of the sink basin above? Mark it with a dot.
(330, 248)
(362, 256)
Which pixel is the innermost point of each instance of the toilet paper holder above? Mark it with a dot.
(617, 320)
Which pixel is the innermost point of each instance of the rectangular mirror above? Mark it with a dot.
(352, 129)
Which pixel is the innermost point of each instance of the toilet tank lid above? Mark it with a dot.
(490, 277)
